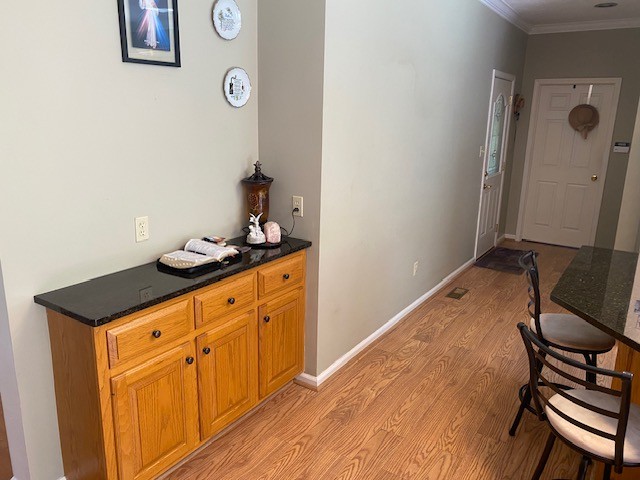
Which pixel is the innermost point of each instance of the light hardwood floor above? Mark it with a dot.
(432, 399)
(5, 462)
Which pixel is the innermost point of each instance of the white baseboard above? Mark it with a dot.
(307, 380)
(509, 236)
(314, 382)
(500, 239)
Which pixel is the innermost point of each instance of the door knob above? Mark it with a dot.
(594, 178)
(487, 187)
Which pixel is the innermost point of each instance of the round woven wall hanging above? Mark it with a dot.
(584, 118)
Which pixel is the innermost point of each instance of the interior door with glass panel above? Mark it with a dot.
(494, 162)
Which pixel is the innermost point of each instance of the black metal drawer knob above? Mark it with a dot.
(206, 350)
(267, 319)
(156, 333)
(189, 360)
(286, 276)
(231, 301)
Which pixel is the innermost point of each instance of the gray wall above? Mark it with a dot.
(607, 53)
(291, 63)
(629, 222)
(406, 95)
(87, 143)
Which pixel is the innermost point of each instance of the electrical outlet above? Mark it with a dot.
(415, 267)
(146, 294)
(297, 202)
(142, 229)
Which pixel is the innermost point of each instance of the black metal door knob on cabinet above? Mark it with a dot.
(206, 350)
(156, 333)
(267, 319)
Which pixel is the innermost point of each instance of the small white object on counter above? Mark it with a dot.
(255, 237)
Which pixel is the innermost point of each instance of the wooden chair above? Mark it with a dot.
(563, 331)
(600, 423)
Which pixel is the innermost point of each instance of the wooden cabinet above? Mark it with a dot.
(281, 341)
(148, 332)
(227, 373)
(232, 296)
(155, 413)
(281, 276)
(140, 393)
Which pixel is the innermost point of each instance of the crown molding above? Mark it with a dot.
(508, 13)
(585, 26)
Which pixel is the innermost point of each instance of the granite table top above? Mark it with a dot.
(104, 299)
(597, 287)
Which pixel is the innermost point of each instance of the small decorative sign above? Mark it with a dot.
(621, 147)
(237, 87)
(227, 19)
(149, 31)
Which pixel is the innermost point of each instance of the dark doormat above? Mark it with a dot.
(502, 259)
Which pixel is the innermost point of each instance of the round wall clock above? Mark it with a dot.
(237, 87)
(227, 19)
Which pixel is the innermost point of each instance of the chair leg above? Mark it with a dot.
(545, 456)
(584, 465)
(591, 359)
(607, 472)
(526, 400)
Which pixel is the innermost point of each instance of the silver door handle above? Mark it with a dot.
(487, 187)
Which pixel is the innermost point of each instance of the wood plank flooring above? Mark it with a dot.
(432, 399)
(5, 462)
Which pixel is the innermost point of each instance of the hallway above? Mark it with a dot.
(432, 399)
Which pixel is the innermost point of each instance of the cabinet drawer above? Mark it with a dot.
(282, 275)
(148, 331)
(229, 297)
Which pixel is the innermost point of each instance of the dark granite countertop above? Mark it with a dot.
(597, 286)
(104, 299)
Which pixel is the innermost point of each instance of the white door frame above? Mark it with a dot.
(505, 143)
(617, 84)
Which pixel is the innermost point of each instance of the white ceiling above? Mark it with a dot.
(548, 16)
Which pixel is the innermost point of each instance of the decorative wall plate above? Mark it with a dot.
(227, 19)
(237, 87)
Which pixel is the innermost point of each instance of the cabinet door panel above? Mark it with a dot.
(227, 373)
(281, 340)
(155, 414)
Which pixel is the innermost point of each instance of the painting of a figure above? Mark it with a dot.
(150, 24)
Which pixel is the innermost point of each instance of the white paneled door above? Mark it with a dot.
(566, 171)
(494, 161)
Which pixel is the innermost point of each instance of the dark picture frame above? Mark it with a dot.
(149, 32)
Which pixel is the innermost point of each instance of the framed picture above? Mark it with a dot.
(149, 32)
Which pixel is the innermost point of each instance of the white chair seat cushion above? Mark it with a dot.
(589, 441)
(568, 330)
